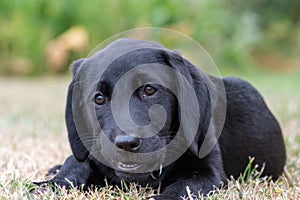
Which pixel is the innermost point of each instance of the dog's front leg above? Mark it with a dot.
(72, 174)
(190, 188)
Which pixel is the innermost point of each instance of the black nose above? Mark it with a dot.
(127, 143)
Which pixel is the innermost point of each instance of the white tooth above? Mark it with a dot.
(127, 165)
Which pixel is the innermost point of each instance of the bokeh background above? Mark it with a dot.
(40, 36)
(257, 40)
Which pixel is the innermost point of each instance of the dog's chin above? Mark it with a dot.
(138, 173)
(139, 178)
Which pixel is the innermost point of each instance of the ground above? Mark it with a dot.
(33, 138)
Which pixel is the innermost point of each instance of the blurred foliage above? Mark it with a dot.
(237, 34)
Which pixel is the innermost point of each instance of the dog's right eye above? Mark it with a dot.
(149, 90)
(99, 99)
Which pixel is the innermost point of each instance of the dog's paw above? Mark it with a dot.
(39, 187)
(54, 170)
(57, 183)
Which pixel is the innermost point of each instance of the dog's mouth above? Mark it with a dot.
(128, 166)
(131, 172)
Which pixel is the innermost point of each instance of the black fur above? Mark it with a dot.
(249, 130)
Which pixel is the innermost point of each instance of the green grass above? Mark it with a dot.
(34, 138)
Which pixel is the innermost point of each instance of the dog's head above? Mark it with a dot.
(153, 76)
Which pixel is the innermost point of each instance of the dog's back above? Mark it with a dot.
(254, 132)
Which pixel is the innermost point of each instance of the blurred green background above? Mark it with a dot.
(241, 36)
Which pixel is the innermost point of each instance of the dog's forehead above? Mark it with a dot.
(119, 57)
(132, 60)
(103, 58)
(136, 68)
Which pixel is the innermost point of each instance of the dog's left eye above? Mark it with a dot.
(99, 99)
(149, 90)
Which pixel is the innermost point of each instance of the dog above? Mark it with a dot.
(200, 147)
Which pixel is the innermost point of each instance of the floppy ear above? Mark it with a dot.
(79, 150)
(197, 80)
(75, 67)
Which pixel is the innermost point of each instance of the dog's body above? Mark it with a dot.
(250, 130)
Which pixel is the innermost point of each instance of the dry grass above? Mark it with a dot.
(33, 138)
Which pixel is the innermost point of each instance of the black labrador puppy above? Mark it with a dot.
(139, 112)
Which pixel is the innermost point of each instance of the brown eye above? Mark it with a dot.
(149, 90)
(99, 99)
